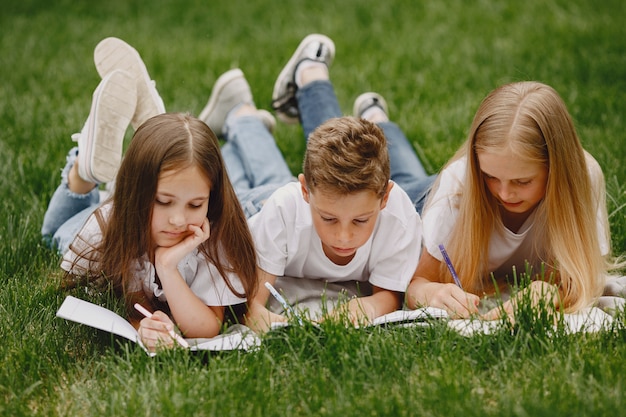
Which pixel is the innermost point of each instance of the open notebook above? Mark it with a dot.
(240, 337)
(591, 319)
(84, 312)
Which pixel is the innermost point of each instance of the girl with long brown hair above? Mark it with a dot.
(173, 236)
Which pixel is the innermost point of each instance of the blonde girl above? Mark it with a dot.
(173, 237)
(521, 190)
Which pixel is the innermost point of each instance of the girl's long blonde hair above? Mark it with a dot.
(530, 120)
(163, 143)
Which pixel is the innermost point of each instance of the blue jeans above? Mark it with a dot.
(67, 211)
(257, 168)
(254, 163)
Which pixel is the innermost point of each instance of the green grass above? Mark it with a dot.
(433, 62)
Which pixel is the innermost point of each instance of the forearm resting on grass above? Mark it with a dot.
(428, 289)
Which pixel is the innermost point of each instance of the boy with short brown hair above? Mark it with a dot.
(343, 230)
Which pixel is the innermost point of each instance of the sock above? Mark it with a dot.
(375, 114)
(304, 65)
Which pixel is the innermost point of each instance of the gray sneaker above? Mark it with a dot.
(314, 47)
(230, 90)
(368, 100)
(113, 53)
(101, 140)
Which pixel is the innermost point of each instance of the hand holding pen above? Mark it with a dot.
(175, 336)
(283, 302)
(470, 298)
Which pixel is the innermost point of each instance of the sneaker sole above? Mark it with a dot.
(113, 53)
(286, 75)
(110, 115)
(219, 86)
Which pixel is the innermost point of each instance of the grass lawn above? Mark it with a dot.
(433, 62)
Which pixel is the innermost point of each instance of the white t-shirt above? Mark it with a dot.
(506, 248)
(201, 276)
(288, 244)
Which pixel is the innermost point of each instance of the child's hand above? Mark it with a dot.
(538, 292)
(428, 288)
(360, 311)
(167, 258)
(356, 312)
(458, 303)
(155, 332)
(260, 319)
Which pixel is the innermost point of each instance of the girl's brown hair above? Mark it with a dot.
(170, 142)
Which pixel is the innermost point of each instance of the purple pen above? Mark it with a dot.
(448, 262)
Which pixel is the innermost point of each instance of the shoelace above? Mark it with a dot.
(287, 103)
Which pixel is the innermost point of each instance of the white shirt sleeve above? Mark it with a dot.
(272, 226)
(599, 190)
(202, 277)
(440, 216)
(396, 243)
(89, 236)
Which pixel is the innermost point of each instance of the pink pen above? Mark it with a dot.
(174, 335)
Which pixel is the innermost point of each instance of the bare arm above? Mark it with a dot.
(194, 318)
(427, 289)
(365, 309)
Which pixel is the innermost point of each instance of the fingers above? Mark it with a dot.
(198, 235)
(155, 332)
(260, 319)
(458, 303)
(496, 313)
(169, 257)
(202, 232)
(493, 314)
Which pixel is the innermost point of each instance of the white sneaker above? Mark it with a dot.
(366, 101)
(314, 47)
(101, 140)
(230, 90)
(113, 53)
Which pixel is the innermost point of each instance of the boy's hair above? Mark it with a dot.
(346, 155)
(171, 142)
(531, 121)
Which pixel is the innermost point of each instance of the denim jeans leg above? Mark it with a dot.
(317, 103)
(262, 161)
(67, 211)
(257, 165)
(234, 168)
(406, 169)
